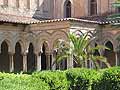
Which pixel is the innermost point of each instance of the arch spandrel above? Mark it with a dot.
(9, 43)
(109, 37)
(40, 39)
(57, 36)
(23, 46)
(8, 38)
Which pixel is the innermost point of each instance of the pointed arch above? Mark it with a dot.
(59, 35)
(22, 45)
(93, 7)
(4, 57)
(67, 9)
(110, 54)
(9, 43)
(31, 58)
(43, 37)
(18, 58)
(45, 63)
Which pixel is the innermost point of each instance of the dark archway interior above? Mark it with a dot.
(61, 65)
(110, 54)
(67, 9)
(18, 58)
(75, 63)
(4, 58)
(96, 53)
(93, 7)
(31, 59)
(64, 64)
(43, 58)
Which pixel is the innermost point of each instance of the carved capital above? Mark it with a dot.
(11, 53)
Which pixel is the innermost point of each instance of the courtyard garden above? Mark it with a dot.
(79, 78)
(71, 79)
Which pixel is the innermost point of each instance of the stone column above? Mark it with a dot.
(53, 61)
(38, 55)
(91, 64)
(86, 62)
(116, 58)
(70, 62)
(25, 62)
(11, 62)
(48, 64)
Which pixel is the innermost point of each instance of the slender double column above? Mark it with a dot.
(70, 62)
(116, 58)
(53, 55)
(48, 61)
(11, 62)
(38, 56)
(24, 62)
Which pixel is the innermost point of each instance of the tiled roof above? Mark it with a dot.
(102, 19)
(67, 19)
(17, 19)
(87, 19)
(29, 20)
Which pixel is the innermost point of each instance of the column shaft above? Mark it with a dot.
(38, 61)
(25, 62)
(53, 62)
(11, 62)
(116, 58)
(48, 61)
(70, 62)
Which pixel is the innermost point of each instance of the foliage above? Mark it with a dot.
(71, 79)
(21, 82)
(79, 47)
(55, 79)
(86, 79)
(116, 15)
(110, 80)
(81, 79)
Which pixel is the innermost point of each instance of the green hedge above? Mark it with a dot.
(81, 79)
(109, 80)
(55, 79)
(72, 79)
(21, 82)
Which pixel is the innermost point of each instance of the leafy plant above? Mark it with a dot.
(80, 48)
(21, 82)
(81, 78)
(55, 79)
(109, 80)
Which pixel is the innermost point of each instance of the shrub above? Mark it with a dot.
(56, 79)
(21, 82)
(71, 79)
(110, 80)
(81, 79)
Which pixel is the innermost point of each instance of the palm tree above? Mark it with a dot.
(80, 49)
(116, 15)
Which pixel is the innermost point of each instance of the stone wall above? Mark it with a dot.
(54, 8)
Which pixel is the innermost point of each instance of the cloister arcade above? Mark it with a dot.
(35, 49)
(24, 52)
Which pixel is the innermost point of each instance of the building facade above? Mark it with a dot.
(31, 29)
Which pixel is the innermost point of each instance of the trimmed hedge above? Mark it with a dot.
(110, 80)
(56, 79)
(21, 82)
(81, 79)
(72, 79)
